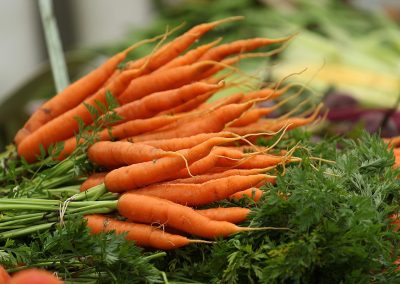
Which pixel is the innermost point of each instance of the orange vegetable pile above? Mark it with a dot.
(172, 151)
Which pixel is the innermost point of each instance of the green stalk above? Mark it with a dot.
(21, 216)
(25, 231)
(21, 221)
(24, 206)
(92, 193)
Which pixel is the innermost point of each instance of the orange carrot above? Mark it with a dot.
(220, 52)
(266, 93)
(92, 180)
(119, 153)
(123, 130)
(175, 144)
(171, 78)
(232, 99)
(174, 48)
(139, 175)
(251, 116)
(164, 100)
(34, 276)
(223, 172)
(189, 105)
(213, 121)
(148, 209)
(202, 193)
(74, 94)
(253, 193)
(64, 126)
(4, 276)
(143, 235)
(198, 167)
(233, 215)
(190, 57)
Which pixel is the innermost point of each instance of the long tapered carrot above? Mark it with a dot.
(164, 100)
(65, 125)
(190, 57)
(233, 215)
(174, 48)
(4, 276)
(75, 93)
(240, 46)
(213, 121)
(223, 172)
(274, 124)
(175, 144)
(123, 130)
(120, 153)
(34, 276)
(231, 99)
(171, 78)
(253, 193)
(139, 175)
(143, 235)
(92, 180)
(202, 193)
(189, 105)
(266, 93)
(198, 167)
(148, 209)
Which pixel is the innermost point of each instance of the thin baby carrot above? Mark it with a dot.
(253, 193)
(233, 215)
(123, 130)
(148, 209)
(164, 100)
(202, 193)
(213, 121)
(220, 52)
(143, 235)
(92, 180)
(172, 49)
(139, 175)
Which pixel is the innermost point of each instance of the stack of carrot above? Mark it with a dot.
(171, 152)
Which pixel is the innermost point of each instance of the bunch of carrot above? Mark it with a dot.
(171, 152)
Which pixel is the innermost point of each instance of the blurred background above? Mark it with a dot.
(347, 51)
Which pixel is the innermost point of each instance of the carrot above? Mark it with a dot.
(170, 78)
(233, 215)
(221, 173)
(273, 124)
(253, 193)
(119, 153)
(138, 175)
(266, 93)
(213, 121)
(231, 99)
(252, 115)
(34, 276)
(4, 276)
(220, 52)
(92, 180)
(148, 209)
(123, 130)
(164, 100)
(198, 167)
(172, 49)
(202, 193)
(256, 161)
(189, 105)
(191, 56)
(75, 93)
(143, 235)
(175, 144)
(64, 126)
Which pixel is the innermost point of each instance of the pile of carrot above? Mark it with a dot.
(172, 151)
